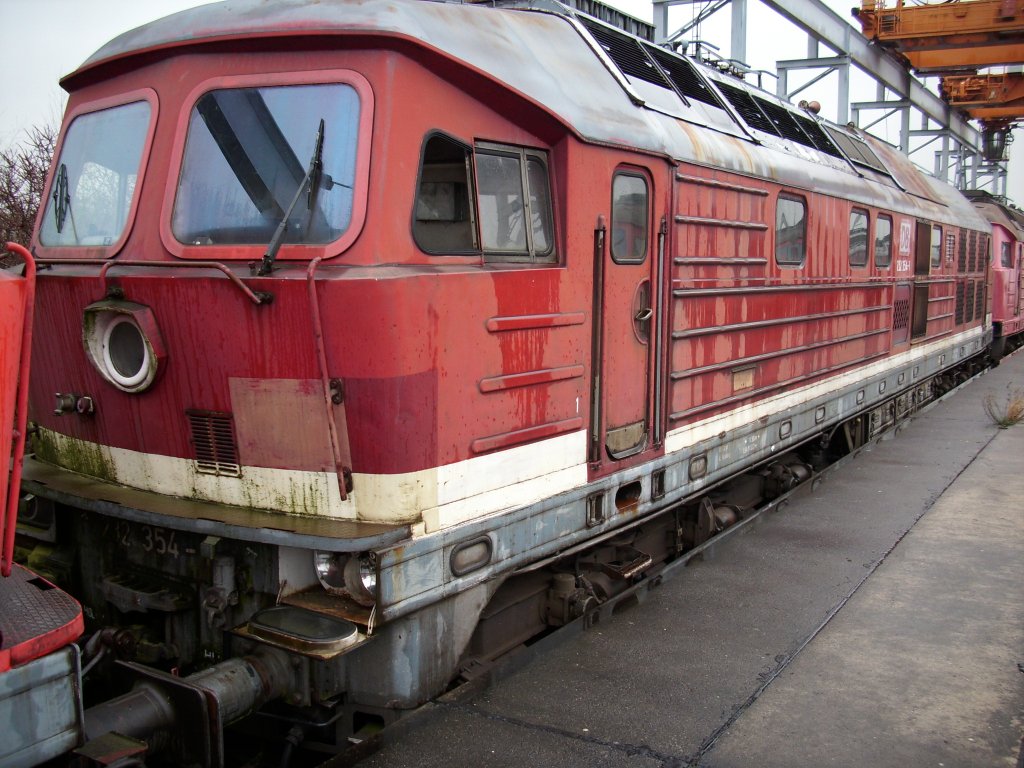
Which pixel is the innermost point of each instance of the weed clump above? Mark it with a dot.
(1007, 411)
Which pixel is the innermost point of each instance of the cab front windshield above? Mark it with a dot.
(257, 157)
(94, 181)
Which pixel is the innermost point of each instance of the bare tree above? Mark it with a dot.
(23, 170)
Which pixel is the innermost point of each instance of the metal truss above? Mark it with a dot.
(957, 145)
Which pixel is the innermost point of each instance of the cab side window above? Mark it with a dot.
(883, 242)
(790, 230)
(444, 221)
(515, 204)
(936, 246)
(629, 218)
(858, 237)
(491, 199)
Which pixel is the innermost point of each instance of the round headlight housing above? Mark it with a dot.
(123, 343)
(342, 573)
(125, 352)
(330, 570)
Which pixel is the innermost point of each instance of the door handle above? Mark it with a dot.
(644, 315)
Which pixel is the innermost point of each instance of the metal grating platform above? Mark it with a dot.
(36, 618)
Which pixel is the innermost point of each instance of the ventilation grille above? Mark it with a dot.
(961, 260)
(979, 301)
(213, 437)
(969, 303)
(769, 117)
(857, 150)
(972, 252)
(959, 319)
(901, 314)
(785, 123)
(684, 76)
(817, 135)
(747, 107)
(627, 54)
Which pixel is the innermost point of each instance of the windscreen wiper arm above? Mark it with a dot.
(311, 180)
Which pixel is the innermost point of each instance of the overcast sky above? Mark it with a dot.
(47, 39)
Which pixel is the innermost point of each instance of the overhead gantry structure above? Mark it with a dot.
(956, 40)
(959, 156)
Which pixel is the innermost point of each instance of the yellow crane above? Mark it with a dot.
(955, 40)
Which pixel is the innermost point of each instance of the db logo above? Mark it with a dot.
(904, 237)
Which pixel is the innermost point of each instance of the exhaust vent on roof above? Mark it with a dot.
(627, 54)
(747, 107)
(857, 150)
(684, 76)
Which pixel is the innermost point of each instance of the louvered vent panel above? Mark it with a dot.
(684, 76)
(213, 437)
(982, 252)
(969, 303)
(979, 301)
(785, 122)
(627, 54)
(961, 259)
(817, 135)
(959, 304)
(901, 315)
(747, 108)
(972, 252)
(857, 150)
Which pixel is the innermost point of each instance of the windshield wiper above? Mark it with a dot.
(310, 181)
(62, 201)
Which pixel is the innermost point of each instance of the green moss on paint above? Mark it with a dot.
(76, 455)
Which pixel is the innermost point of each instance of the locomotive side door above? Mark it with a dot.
(629, 277)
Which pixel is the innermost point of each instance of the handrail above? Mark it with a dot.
(256, 297)
(21, 419)
(325, 380)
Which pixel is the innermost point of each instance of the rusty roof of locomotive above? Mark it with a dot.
(544, 55)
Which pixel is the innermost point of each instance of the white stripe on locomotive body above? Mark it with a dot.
(692, 434)
(443, 497)
(439, 496)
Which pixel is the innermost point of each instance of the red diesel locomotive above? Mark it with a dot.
(1007, 260)
(375, 338)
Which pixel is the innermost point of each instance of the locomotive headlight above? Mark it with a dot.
(354, 575)
(123, 343)
(125, 352)
(330, 570)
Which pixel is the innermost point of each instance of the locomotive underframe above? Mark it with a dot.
(168, 596)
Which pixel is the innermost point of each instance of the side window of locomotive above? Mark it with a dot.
(443, 221)
(629, 218)
(790, 230)
(514, 204)
(257, 157)
(1006, 257)
(96, 177)
(883, 242)
(936, 249)
(858, 237)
